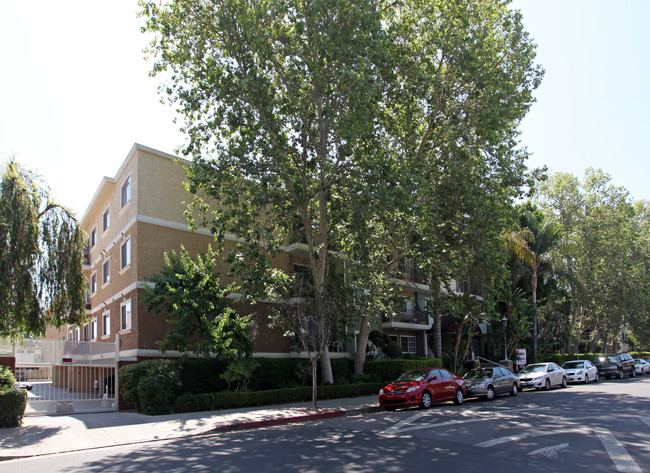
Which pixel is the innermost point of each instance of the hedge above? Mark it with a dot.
(561, 358)
(385, 371)
(12, 408)
(232, 400)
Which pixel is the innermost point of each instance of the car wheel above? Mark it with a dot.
(564, 381)
(633, 373)
(425, 403)
(514, 390)
(586, 379)
(547, 385)
(597, 378)
(389, 408)
(458, 400)
(489, 394)
(621, 375)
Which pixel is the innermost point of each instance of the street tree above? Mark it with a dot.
(189, 294)
(297, 113)
(41, 258)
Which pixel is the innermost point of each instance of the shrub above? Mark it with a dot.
(283, 373)
(129, 376)
(239, 373)
(7, 379)
(231, 400)
(388, 370)
(151, 386)
(202, 375)
(12, 408)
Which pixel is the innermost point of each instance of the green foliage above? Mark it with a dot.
(232, 400)
(190, 296)
(281, 373)
(7, 379)
(389, 370)
(41, 258)
(12, 408)
(239, 372)
(202, 375)
(151, 386)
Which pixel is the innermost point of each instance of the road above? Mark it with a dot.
(603, 427)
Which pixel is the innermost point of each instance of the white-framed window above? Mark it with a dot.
(93, 283)
(70, 334)
(125, 253)
(88, 294)
(106, 271)
(407, 342)
(77, 334)
(106, 220)
(86, 332)
(125, 315)
(93, 237)
(126, 192)
(106, 323)
(93, 329)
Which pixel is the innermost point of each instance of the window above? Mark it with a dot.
(86, 332)
(93, 329)
(106, 220)
(93, 237)
(106, 323)
(93, 283)
(126, 191)
(106, 271)
(407, 342)
(125, 253)
(88, 295)
(125, 315)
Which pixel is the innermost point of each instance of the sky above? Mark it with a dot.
(75, 93)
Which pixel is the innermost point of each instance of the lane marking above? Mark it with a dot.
(617, 452)
(549, 452)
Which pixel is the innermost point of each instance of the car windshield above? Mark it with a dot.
(416, 375)
(482, 373)
(574, 364)
(534, 369)
(611, 358)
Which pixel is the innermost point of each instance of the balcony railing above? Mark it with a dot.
(414, 316)
(474, 289)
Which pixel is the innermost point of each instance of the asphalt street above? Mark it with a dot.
(603, 427)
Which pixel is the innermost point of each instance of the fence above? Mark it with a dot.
(65, 376)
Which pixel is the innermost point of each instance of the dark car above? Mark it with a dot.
(616, 366)
(423, 387)
(488, 382)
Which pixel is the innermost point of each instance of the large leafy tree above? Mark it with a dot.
(602, 260)
(41, 258)
(373, 128)
(189, 294)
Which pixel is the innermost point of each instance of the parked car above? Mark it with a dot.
(580, 371)
(542, 376)
(641, 366)
(423, 387)
(616, 366)
(491, 381)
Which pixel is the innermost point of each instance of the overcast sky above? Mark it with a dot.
(75, 93)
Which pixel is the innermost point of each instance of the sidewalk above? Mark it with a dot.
(44, 435)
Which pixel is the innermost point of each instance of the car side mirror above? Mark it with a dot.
(433, 378)
(550, 369)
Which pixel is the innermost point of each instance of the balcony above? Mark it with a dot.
(464, 287)
(415, 316)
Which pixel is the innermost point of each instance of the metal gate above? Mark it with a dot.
(63, 377)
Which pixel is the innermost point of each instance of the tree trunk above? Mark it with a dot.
(534, 289)
(362, 343)
(314, 382)
(437, 331)
(326, 367)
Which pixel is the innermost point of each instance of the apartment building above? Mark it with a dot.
(138, 215)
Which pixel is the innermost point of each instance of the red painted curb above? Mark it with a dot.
(278, 421)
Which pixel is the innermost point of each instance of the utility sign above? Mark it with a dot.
(521, 358)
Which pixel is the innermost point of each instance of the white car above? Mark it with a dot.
(542, 376)
(580, 371)
(641, 366)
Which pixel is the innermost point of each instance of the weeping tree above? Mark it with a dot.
(41, 258)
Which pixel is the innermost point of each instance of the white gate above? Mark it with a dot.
(64, 377)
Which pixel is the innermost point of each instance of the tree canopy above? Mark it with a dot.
(348, 126)
(41, 258)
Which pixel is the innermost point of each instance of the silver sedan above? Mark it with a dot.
(580, 371)
(542, 376)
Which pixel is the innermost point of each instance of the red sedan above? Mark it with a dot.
(423, 387)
